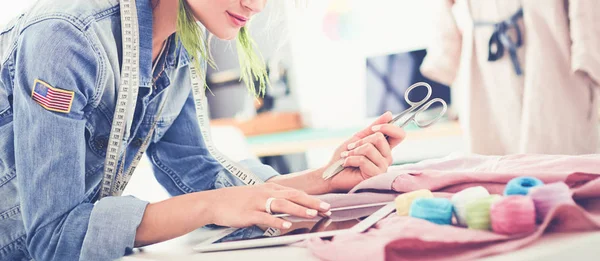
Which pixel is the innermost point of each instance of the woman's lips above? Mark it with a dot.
(237, 20)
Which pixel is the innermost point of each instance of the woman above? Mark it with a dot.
(60, 74)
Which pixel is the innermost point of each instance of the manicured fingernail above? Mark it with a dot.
(311, 212)
(351, 145)
(344, 154)
(287, 224)
(376, 128)
(345, 162)
(328, 213)
(325, 206)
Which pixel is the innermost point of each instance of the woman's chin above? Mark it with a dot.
(229, 34)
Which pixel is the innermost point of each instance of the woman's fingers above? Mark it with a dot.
(293, 202)
(264, 219)
(301, 198)
(367, 168)
(285, 206)
(394, 133)
(374, 154)
(378, 140)
(383, 119)
(385, 133)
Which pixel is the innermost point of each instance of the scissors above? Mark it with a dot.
(402, 119)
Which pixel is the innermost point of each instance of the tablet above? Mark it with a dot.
(362, 218)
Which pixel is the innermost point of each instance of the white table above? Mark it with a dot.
(557, 246)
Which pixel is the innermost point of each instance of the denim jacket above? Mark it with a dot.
(51, 162)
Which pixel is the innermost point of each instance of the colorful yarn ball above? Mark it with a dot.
(521, 185)
(461, 199)
(478, 212)
(436, 210)
(404, 201)
(513, 215)
(549, 196)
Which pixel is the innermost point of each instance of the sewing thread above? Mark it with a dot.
(404, 201)
(521, 185)
(549, 196)
(513, 215)
(464, 197)
(436, 210)
(478, 212)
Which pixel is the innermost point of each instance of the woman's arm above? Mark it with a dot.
(172, 218)
(367, 154)
(309, 181)
(233, 207)
(50, 148)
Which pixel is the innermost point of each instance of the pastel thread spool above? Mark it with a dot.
(548, 196)
(513, 215)
(463, 198)
(478, 212)
(436, 210)
(404, 201)
(521, 185)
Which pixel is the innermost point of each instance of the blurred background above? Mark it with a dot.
(335, 65)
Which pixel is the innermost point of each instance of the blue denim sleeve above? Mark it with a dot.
(182, 164)
(50, 149)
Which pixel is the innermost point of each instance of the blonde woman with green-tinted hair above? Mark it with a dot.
(60, 75)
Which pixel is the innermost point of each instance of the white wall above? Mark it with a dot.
(329, 76)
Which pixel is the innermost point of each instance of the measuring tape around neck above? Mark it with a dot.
(114, 180)
(240, 172)
(127, 95)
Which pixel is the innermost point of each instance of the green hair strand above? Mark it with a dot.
(252, 65)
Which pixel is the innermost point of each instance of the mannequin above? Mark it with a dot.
(539, 93)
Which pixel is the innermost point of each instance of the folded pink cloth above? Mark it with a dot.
(406, 238)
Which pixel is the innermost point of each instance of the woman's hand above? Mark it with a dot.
(367, 154)
(245, 206)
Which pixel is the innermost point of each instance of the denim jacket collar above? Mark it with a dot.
(144, 10)
(176, 55)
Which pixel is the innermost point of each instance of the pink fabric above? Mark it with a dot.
(456, 172)
(406, 238)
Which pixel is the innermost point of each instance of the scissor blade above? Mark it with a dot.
(334, 169)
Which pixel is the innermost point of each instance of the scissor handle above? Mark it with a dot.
(417, 107)
(424, 108)
(410, 88)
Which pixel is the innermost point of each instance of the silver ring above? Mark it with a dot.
(268, 205)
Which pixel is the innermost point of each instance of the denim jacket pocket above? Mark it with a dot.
(5, 108)
(11, 223)
(97, 131)
(96, 139)
(168, 115)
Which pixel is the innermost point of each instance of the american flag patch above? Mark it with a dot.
(53, 99)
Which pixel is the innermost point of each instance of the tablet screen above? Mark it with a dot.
(340, 219)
